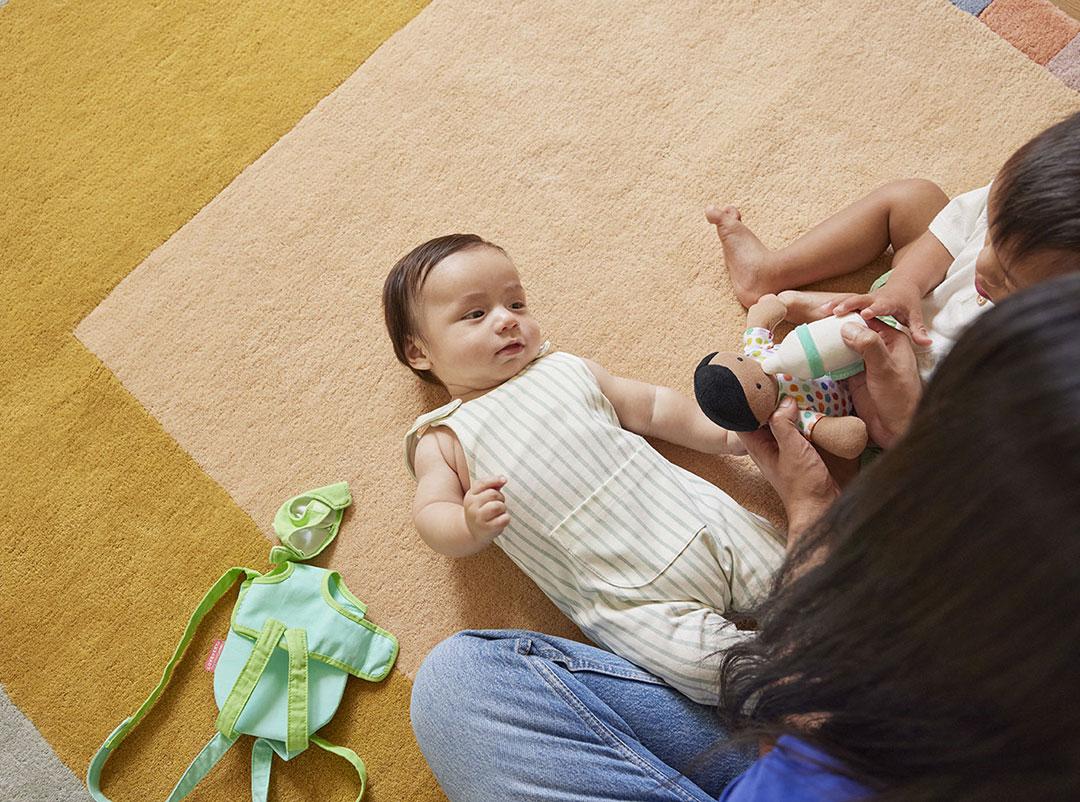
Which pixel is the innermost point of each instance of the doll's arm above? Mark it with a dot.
(766, 313)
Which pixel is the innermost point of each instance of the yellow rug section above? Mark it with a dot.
(122, 120)
(587, 143)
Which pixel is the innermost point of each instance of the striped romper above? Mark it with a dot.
(642, 555)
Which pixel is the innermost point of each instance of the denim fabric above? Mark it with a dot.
(504, 715)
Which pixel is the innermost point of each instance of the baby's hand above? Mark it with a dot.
(485, 508)
(899, 297)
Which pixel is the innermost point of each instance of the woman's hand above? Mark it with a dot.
(793, 467)
(886, 393)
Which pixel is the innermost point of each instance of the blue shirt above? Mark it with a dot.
(794, 771)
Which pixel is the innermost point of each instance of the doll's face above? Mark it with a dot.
(760, 388)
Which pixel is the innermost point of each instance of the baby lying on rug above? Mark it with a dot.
(543, 453)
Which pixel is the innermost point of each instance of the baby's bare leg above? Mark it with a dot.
(894, 214)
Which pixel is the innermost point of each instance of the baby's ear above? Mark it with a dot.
(416, 354)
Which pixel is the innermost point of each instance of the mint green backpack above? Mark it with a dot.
(296, 634)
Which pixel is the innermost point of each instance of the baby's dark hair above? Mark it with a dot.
(402, 289)
(1037, 195)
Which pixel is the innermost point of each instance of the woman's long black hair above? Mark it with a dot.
(926, 632)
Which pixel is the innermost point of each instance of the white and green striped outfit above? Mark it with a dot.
(642, 555)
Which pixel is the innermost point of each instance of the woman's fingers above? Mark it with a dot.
(888, 391)
(759, 444)
(868, 344)
(782, 424)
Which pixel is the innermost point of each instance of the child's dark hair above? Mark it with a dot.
(1037, 195)
(932, 651)
(406, 279)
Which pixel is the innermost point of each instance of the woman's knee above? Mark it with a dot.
(448, 679)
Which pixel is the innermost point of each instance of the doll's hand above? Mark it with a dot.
(900, 298)
(766, 312)
(485, 508)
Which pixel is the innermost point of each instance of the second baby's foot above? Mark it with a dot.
(744, 254)
(806, 307)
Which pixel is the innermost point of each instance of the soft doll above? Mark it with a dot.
(735, 392)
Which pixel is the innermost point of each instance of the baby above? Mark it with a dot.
(951, 259)
(544, 453)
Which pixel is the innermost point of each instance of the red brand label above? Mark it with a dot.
(215, 653)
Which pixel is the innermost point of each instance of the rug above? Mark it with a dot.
(209, 202)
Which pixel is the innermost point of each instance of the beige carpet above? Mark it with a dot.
(583, 136)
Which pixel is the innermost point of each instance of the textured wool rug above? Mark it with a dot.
(243, 358)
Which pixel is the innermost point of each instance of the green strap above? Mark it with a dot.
(813, 356)
(245, 684)
(201, 765)
(117, 736)
(93, 771)
(261, 756)
(296, 734)
(349, 755)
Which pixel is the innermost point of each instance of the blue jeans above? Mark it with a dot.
(506, 715)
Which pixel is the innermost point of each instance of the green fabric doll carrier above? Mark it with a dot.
(295, 635)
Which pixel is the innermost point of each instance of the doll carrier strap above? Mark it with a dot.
(296, 633)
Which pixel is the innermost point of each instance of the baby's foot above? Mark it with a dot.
(806, 307)
(744, 254)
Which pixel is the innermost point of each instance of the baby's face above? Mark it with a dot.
(998, 274)
(475, 328)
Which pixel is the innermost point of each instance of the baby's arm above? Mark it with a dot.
(453, 521)
(917, 269)
(923, 262)
(661, 412)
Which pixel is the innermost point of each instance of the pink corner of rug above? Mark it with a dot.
(1034, 27)
(1066, 64)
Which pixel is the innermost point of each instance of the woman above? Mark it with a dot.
(922, 641)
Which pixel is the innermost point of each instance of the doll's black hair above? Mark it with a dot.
(721, 397)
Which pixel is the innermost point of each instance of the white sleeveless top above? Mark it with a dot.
(644, 556)
(584, 494)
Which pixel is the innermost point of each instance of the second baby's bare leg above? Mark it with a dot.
(894, 214)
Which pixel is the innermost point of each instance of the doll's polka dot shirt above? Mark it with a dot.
(815, 398)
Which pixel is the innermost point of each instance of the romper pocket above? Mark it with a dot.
(631, 528)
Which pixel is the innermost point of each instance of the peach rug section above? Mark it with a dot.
(585, 138)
